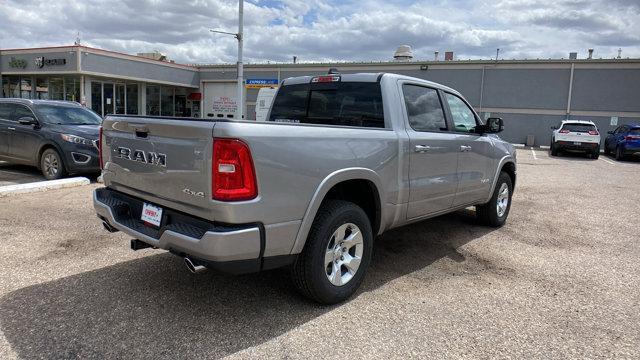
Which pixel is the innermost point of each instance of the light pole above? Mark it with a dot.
(240, 71)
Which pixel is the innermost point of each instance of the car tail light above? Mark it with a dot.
(100, 149)
(233, 174)
(564, 131)
(632, 137)
(322, 79)
(594, 132)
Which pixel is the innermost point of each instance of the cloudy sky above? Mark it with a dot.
(316, 30)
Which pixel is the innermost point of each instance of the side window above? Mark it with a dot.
(6, 111)
(22, 111)
(424, 108)
(463, 118)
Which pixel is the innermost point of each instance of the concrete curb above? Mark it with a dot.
(39, 186)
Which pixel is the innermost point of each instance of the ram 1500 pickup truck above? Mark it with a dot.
(341, 159)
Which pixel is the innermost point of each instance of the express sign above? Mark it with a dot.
(260, 83)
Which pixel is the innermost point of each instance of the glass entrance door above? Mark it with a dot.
(107, 97)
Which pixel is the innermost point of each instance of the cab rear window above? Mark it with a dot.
(332, 103)
(581, 128)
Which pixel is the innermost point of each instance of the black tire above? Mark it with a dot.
(554, 150)
(488, 213)
(606, 149)
(619, 153)
(595, 154)
(52, 165)
(309, 272)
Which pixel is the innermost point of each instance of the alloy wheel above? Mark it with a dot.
(343, 254)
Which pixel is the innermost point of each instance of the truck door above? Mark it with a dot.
(432, 158)
(475, 164)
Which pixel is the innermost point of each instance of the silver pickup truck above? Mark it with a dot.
(341, 159)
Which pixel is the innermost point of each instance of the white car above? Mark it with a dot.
(576, 135)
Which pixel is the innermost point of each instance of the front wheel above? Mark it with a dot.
(51, 165)
(495, 212)
(336, 255)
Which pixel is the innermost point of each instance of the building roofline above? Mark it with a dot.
(108, 52)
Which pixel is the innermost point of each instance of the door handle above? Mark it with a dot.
(421, 148)
(464, 148)
(11, 128)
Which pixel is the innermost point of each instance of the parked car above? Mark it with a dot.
(623, 141)
(58, 137)
(576, 136)
(341, 159)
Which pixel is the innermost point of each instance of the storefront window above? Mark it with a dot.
(166, 101)
(153, 100)
(72, 89)
(56, 88)
(42, 88)
(10, 86)
(132, 99)
(25, 88)
(96, 97)
(119, 99)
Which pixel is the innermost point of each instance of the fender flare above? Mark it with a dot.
(326, 184)
(505, 159)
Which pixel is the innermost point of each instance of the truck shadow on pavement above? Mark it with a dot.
(153, 308)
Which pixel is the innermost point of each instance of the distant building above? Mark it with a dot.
(530, 95)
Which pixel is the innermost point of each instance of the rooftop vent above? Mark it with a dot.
(573, 55)
(590, 56)
(403, 53)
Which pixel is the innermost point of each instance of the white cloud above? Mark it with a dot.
(329, 29)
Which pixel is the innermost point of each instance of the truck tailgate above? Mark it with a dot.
(166, 161)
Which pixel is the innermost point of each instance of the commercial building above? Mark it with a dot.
(530, 95)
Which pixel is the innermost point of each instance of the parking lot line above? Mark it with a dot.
(610, 162)
(534, 154)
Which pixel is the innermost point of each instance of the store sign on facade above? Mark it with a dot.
(224, 104)
(41, 62)
(17, 63)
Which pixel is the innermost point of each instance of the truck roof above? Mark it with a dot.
(367, 77)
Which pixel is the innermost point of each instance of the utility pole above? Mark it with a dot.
(240, 68)
(239, 37)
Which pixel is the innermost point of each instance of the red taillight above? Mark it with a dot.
(322, 79)
(100, 149)
(234, 177)
(632, 137)
(593, 132)
(564, 131)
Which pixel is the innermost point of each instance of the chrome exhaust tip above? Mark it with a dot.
(108, 227)
(194, 267)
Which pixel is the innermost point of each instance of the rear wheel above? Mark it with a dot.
(554, 149)
(606, 149)
(336, 255)
(51, 165)
(596, 153)
(619, 153)
(495, 212)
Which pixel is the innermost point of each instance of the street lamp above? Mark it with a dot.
(238, 36)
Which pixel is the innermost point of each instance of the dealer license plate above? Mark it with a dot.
(577, 143)
(151, 214)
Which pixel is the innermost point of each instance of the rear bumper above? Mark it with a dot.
(631, 149)
(570, 145)
(232, 248)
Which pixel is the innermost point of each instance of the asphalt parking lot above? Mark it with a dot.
(11, 174)
(560, 280)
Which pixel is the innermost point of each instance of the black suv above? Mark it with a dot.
(58, 137)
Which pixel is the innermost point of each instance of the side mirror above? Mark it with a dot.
(27, 120)
(494, 125)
